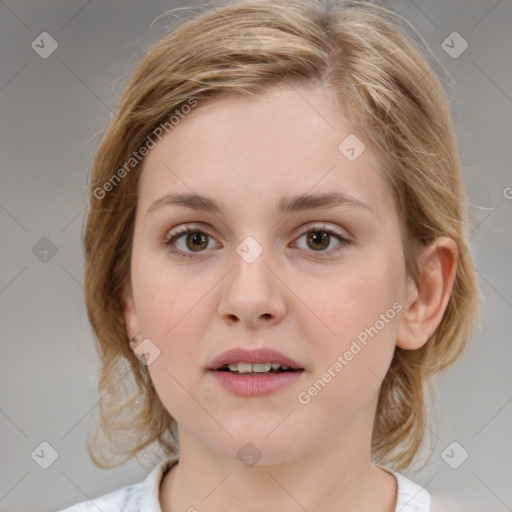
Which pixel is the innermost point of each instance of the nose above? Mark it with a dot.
(253, 294)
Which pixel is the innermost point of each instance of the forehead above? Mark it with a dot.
(251, 151)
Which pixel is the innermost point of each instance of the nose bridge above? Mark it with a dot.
(251, 274)
(251, 291)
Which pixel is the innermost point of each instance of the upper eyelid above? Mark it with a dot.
(185, 229)
(319, 226)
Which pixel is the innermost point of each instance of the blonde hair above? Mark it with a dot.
(364, 57)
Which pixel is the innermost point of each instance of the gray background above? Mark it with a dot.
(53, 112)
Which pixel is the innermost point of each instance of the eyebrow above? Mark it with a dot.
(285, 205)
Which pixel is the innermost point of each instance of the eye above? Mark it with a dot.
(195, 240)
(318, 238)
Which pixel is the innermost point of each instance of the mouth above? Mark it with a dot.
(257, 369)
(249, 379)
(259, 361)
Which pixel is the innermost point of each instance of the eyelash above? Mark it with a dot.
(315, 229)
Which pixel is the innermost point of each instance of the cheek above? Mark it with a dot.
(171, 309)
(174, 310)
(361, 306)
(354, 296)
(359, 309)
(164, 296)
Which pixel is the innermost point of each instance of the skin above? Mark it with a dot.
(306, 302)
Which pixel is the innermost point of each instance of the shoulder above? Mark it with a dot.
(411, 497)
(143, 496)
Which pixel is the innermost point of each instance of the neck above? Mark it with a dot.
(336, 476)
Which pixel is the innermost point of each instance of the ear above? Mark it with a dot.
(130, 314)
(426, 300)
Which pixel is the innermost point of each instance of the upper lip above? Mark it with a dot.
(260, 355)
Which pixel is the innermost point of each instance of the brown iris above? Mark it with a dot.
(319, 237)
(196, 238)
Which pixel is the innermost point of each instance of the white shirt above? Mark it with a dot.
(144, 496)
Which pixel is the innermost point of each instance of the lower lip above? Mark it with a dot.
(256, 385)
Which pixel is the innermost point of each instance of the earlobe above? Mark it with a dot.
(130, 316)
(426, 302)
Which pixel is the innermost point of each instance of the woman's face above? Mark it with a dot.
(254, 276)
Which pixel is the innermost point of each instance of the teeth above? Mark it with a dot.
(260, 367)
(255, 367)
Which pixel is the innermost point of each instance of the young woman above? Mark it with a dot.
(276, 262)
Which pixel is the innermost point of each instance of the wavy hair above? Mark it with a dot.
(373, 65)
